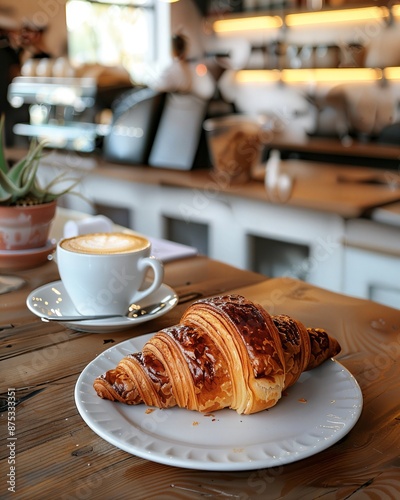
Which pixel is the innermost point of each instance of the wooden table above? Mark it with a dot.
(58, 456)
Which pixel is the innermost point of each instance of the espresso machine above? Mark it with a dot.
(61, 110)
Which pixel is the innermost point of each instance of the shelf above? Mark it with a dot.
(339, 29)
(329, 149)
(247, 20)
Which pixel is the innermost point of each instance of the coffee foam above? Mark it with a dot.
(104, 243)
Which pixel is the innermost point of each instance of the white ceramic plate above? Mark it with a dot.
(52, 300)
(317, 411)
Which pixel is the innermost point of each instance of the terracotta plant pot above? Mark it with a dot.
(27, 227)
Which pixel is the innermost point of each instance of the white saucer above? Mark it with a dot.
(52, 300)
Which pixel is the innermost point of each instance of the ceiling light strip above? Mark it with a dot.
(318, 75)
(361, 14)
(247, 24)
(336, 16)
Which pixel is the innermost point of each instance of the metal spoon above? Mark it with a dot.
(135, 311)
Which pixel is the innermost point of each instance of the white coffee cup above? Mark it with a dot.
(103, 273)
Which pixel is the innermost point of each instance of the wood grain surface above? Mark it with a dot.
(343, 189)
(59, 456)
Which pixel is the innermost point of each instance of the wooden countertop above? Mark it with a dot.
(59, 456)
(347, 190)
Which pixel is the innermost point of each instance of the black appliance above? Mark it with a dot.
(136, 115)
(163, 130)
(178, 142)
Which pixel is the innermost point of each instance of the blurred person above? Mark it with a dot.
(33, 42)
(185, 75)
(10, 68)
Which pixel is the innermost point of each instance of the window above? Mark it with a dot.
(126, 33)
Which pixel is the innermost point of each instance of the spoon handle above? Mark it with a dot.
(47, 319)
(134, 312)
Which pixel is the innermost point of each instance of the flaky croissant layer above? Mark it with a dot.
(226, 352)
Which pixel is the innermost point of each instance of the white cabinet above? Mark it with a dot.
(372, 262)
(303, 243)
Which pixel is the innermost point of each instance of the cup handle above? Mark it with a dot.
(158, 269)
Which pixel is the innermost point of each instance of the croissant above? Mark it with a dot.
(227, 351)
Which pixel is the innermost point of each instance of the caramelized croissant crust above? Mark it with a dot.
(226, 352)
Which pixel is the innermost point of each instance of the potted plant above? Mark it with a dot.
(26, 207)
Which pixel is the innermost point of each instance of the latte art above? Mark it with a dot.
(105, 243)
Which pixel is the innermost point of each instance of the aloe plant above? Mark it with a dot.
(19, 184)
